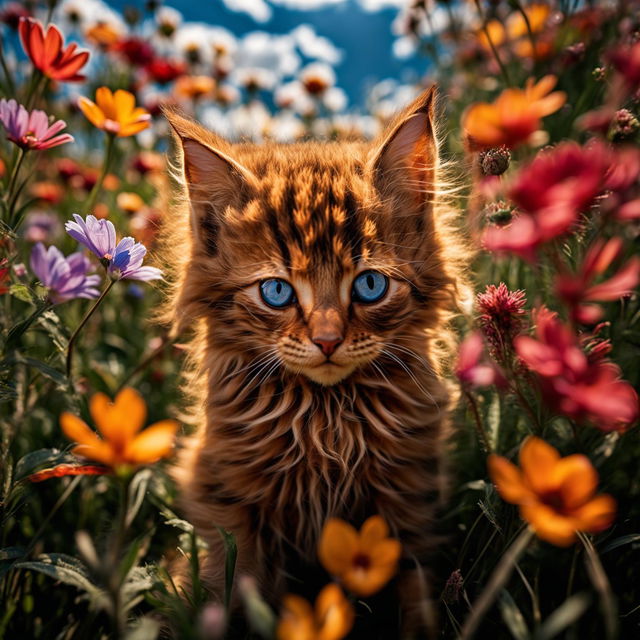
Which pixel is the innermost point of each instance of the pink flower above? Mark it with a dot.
(501, 316)
(623, 201)
(31, 130)
(586, 389)
(550, 193)
(469, 369)
(626, 61)
(575, 289)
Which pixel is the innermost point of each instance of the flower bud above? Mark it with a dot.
(623, 126)
(494, 162)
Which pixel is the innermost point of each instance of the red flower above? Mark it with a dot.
(501, 316)
(136, 51)
(551, 192)
(582, 388)
(623, 202)
(163, 70)
(626, 61)
(575, 289)
(470, 369)
(4, 275)
(47, 52)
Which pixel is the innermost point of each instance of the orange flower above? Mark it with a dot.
(537, 15)
(496, 33)
(129, 201)
(122, 444)
(103, 34)
(332, 619)
(555, 495)
(514, 117)
(194, 87)
(363, 561)
(47, 53)
(115, 113)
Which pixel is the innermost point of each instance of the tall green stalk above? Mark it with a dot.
(97, 187)
(84, 321)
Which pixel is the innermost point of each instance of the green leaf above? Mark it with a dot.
(68, 570)
(564, 616)
(53, 325)
(137, 491)
(512, 616)
(231, 554)
(21, 291)
(15, 333)
(41, 459)
(619, 542)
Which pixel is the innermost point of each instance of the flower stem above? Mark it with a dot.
(498, 579)
(97, 187)
(10, 195)
(503, 69)
(482, 433)
(84, 321)
(7, 73)
(112, 567)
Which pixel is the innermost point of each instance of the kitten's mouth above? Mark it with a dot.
(328, 372)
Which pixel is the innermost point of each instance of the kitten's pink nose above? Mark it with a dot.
(328, 344)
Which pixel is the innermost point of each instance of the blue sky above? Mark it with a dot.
(364, 37)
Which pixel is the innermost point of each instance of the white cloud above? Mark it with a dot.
(314, 46)
(260, 49)
(259, 10)
(377, 5)
(306, 5)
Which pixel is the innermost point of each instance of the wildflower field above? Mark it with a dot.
(538, 123)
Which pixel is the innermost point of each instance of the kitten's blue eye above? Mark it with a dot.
(369, 286)
(276, 292)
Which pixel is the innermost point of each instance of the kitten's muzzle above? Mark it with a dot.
(328, 344)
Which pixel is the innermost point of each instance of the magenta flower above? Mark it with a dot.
(582, 386)
(31, 130)
(123, 260)
(66, 278)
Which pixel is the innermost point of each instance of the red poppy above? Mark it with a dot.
(583, 387)
(550, 193)
(163, 70)
(136, 51)
(48, 54)
(575, 289)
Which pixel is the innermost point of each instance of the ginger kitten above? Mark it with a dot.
(318, 279)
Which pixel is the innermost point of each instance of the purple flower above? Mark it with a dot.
(99, 236)
(31, 130)
(122, 261)
(127, 262)
(41, 226)
(66, 278)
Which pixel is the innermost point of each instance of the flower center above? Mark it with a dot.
(361, 561)
(554, 500)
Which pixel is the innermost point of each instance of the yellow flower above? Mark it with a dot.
(119, 422)
(364, 561)
(115, 112)
(332, 619)
(555, 495)
(496, 32)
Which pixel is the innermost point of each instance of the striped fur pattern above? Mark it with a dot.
(284, 440)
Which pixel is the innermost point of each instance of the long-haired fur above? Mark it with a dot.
(277, 448)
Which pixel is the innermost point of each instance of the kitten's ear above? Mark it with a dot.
(215, 181)
(403, 166)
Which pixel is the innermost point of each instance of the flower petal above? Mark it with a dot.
(92, 111)
(338, 543)
(576, 479)
(508, 480)
(537, 460)
(548, 524)
(153, 443)
(596, 515)
(373, 530)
